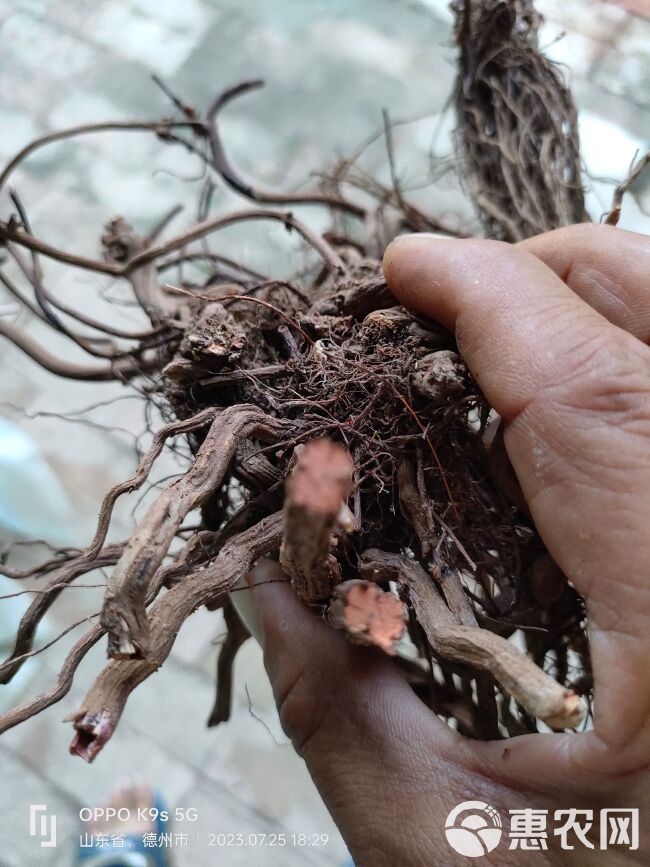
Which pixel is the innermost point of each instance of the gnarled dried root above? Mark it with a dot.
(517, 124)
(195, 422)
(61, 688)
(123, 615)
(63, 576)
(537, 692)
(329, 354)
(102, 707)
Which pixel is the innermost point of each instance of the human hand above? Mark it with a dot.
(554, 330)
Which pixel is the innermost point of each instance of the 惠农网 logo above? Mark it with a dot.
(473, 828)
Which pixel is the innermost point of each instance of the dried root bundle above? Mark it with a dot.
(517, 125)
(330, 428)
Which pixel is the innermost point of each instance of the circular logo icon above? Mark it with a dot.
(473, 828)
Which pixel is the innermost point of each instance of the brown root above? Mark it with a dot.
(540, 695)
(636, 169)
(236, 635)
(317, 489)
(101, 709)
(124, 616)
(40, 606)
(61, 688)
(226, 170)
(517, 124)
(325, 424)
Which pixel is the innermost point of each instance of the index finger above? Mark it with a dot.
(607, 267)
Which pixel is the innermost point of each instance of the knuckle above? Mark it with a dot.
(494, 257)
(612, 373)
(588, 233)
(591, 426)
(609, 375)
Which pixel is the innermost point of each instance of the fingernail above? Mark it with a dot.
(417, 240)
(408, 245)
(415, 236)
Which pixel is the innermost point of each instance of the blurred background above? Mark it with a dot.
(330, 68)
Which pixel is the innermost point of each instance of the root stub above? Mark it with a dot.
(92, 732)
(316, 491)
(368, 614)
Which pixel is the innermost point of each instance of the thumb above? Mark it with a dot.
(373, 749)
(573, 391)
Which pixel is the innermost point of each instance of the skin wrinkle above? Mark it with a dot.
(582, 760)
(572, 370)
(572, 564)
(595, 429)
(636, 726)
(492, 773)
(588, 258)
(362, 720)
(361, 788)
(605, 619)
(588, 282)
(429, 804)
(598, 481)
(410, 741)
(600, 474)
(634, 422)
(289, 706)
(613, 628)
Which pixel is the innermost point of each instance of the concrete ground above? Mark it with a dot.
(330, 67)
